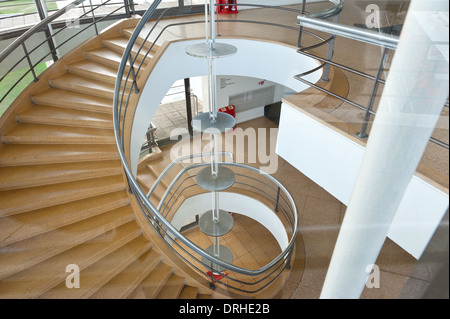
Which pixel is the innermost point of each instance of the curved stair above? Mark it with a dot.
(62, 192)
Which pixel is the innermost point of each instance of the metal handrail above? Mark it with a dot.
(362, 35)
(175, 195)
(386, 41)
(182, 159)
(20, 41)
(152, 213)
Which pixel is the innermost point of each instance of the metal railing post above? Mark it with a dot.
(133, 74)
(326, 70)
(29, 62)
(300, 29)
(363, 133)
(42, 11)
(94, 20)
(278, 200)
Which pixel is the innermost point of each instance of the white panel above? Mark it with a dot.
(325, 156)
(333, 161)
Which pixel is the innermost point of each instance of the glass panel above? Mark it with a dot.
(17, 13)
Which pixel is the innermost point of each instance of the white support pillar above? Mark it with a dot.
(412, 100)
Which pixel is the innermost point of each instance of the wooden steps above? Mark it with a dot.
(172, 288)
(97, 277)
(107, 57)
(37, 222)
(23, 200)
(73, 100)
(118, 44)
(55, 134)
(43, 114)
(63, 198)
(83, 84)
(24, 154)
(36, 280)
(47, 245)
(37, 175)
(152, 284)
(122, 285)
(94, 70)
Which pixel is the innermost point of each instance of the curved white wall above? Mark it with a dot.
(266, 60)
(237, 203)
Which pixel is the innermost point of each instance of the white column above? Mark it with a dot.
(412, 100)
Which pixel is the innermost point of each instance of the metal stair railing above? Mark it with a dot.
(38, 52)
(385, 41)
(256, 279)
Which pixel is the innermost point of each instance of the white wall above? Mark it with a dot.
(231, 85)
(332, 160)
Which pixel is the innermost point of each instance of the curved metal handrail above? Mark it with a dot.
(152, 213)
(53, 48)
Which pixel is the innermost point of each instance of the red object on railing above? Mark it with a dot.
(215, 277)
(230, 109)
(228, 7)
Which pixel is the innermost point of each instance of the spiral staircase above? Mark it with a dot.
(66, 200)
(64, 196)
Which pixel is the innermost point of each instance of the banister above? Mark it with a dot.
(153, 213)
(362, 35)
(178, 160)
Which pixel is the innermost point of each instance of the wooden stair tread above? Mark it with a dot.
(73, 100)
(172, 288)
(169, 36)
(97, 275)
(23, 200)
(120, 43)
(38, 278)
(37, 249)
(152, 284)
(83, 84)
(33, 223)
(108, 57)
(157, 167)
(37, 133)
(20, 154)
(189, 292)
(37, 175)
(95, 70)
(145, 177)
(122, 285)
(43, 114)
